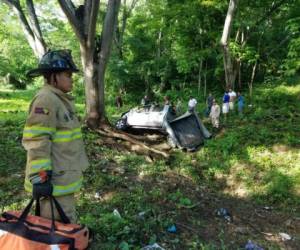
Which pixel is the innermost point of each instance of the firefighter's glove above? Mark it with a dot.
(41, 184)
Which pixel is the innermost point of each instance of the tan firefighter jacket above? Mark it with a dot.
(53, 141)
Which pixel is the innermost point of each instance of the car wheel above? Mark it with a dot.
(171, 142)
(122, 124)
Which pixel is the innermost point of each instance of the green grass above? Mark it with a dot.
(251, 162)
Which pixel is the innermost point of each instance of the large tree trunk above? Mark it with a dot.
(90, 62)
(83, 21)
(94, 52)
(91, 88)
(31, 29)
(228, 65)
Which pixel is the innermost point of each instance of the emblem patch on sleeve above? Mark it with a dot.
(42, 111)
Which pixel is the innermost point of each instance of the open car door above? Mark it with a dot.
(187, 131)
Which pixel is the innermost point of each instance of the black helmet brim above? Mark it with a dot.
(42, 71)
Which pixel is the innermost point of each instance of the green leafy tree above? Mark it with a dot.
(94, 50)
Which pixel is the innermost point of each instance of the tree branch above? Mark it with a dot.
(91, 27)
(35, 41)
(228, 22)
(69, 10)
(268, 14)
(224, 42)
(33, 19)
(120, 28)
(15, 5)
(108, 29)
(35, 26)
(119, 135)
(103, 56)
(133, 4)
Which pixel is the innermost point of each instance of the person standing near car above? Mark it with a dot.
(169, 106)
(241, 103)
(209, 103)
(119, 102)
(52, 137)
(178, 107)
(145, 101)
(225, 106)
(167, 100)
(192, 104)
(215, 114)
(232, 97)
(167, 103)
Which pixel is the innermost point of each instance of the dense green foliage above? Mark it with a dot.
(168, 42)
(12, 42)
(169, 45)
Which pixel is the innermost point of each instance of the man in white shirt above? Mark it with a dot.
(192, 104)
(232, 96)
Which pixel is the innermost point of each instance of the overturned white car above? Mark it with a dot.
(185, 132)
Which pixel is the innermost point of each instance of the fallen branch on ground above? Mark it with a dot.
(109, 132)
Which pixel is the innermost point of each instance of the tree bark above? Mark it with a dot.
(91, 89)
(252, 80)
(240, 75)
(200, 76)
(164, 77)
(31, 30)
(228, 66)
(205, 79)
(90, 62)
(107, 37)
(40, 44)
(158, 56)
(69, 9)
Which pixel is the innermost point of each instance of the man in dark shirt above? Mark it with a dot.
(209, 103)
(145, 101)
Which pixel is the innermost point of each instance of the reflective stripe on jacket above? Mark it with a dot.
(53, 141)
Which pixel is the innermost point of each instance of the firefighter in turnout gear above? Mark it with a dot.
(52, 137)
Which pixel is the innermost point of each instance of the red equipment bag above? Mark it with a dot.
(21, 231)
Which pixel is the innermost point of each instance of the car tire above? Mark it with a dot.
(171, 142)
(121, 124)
